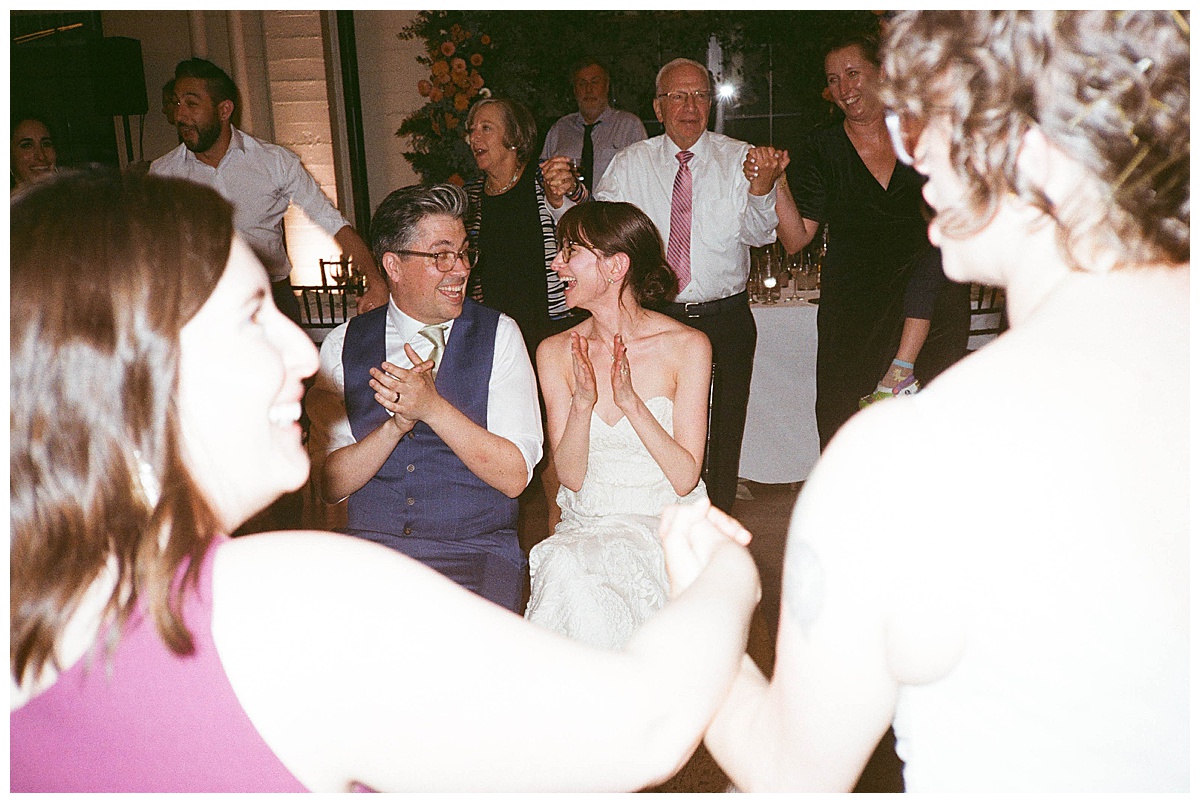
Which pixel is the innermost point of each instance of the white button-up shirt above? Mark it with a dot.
(512, 411)
(614, 130)
(726, 218)
(260, 179)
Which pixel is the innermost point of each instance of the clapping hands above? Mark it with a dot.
(585, 395)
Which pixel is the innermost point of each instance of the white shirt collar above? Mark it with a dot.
(700, 147)
(408, 327)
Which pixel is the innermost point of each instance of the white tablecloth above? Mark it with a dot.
(781, 443)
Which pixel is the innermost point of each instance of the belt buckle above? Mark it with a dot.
(687, 309)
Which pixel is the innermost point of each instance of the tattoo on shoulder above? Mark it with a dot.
(803, 584)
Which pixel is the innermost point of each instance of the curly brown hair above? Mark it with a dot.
(1110, 89)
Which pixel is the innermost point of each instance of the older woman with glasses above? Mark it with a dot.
(1031, 632)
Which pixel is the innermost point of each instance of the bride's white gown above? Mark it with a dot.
(601, 574)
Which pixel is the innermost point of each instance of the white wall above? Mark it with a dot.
(286, 97)
(387, 75)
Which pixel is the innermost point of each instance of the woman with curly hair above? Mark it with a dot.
(1030, 631)
(627, 407)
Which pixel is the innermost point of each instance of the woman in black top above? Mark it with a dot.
(848, 177)
(509, 221)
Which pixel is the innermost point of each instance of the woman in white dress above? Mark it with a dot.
(627, 407)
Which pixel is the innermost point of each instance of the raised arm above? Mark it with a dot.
(680, 454)
(359, 665)
(569, 388)
(795, 231)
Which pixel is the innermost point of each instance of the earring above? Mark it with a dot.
(147, 482)
(611, 280)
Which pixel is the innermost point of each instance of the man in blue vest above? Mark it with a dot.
(426, 409)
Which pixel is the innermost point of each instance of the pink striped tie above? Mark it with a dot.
(679, 244)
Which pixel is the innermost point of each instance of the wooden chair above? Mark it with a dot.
(988, 315)
(328, 304)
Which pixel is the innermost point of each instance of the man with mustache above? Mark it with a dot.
(426, 409)
(259, 178)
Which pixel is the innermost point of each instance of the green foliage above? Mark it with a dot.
(527, 56)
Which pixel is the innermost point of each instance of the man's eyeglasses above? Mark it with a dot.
(701, 96)
(446, 260)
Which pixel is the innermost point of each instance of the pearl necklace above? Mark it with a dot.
(507, 186)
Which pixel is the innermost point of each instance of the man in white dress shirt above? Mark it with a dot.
(711, 256)
(426, 409)
(609, 129)
(259, 178)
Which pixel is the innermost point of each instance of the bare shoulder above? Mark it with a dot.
(678, 336)
(556, 348)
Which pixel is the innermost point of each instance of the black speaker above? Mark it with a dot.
(118, 77)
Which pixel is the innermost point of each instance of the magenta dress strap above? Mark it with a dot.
(154, 722)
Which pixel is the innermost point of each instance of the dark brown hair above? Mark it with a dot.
(1110, 89)
(105, 272)
(621, 228)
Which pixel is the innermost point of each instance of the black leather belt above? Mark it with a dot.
(701, 309)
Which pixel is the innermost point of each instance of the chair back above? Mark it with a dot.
(988, 315)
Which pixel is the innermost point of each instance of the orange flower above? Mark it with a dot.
(461, 80)
(456, 179)
(476, 81)
(457, 33)
(436, 94)
(476, 59)
(442, 80)
(451, 120)
(440, 68)
(485, 40)
(458, 65)
(447, 49)
(424, 87)
(461, 101)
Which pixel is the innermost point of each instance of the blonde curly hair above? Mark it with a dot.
(1110, 89)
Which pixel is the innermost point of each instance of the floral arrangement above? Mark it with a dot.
(438, 129)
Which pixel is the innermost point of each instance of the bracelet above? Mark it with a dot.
(576, 195)
(902, 363)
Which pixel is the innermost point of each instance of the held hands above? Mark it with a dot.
(691, 535)
(763, 167)
(408, 393)
(558, 179)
